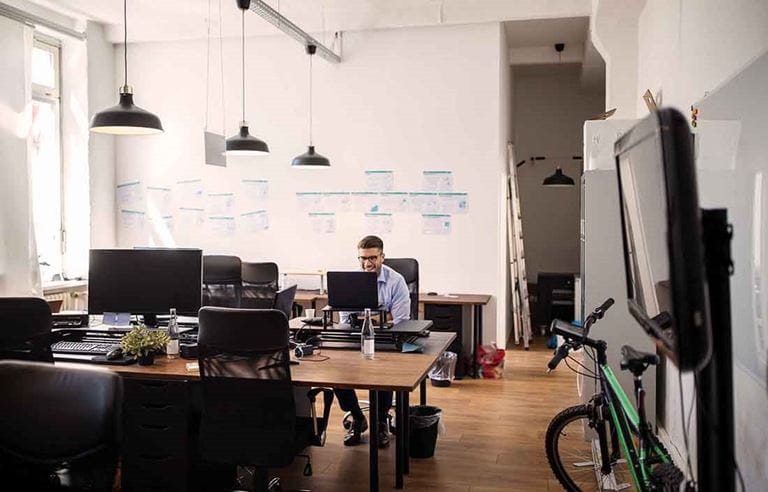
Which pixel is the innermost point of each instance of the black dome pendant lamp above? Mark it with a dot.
(310, 158)
(126, 118)
(558, 179)
(243, 143)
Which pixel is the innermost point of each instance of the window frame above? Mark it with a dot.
(52, 95)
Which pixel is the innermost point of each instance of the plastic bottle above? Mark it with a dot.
(367, 337)
(172, 347)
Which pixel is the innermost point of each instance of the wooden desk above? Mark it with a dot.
(389, 371)
(477, 301)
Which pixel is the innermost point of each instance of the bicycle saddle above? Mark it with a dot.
(636, 361)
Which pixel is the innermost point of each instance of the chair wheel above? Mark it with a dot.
(308, 470)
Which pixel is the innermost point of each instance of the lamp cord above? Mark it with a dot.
(243, 65)
(125, 40)
(207, 64)
(221, 63)
(310, 100)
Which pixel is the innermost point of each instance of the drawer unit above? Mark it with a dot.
(449, 317)
(156, 435)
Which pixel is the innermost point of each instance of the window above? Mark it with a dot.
(46, 163)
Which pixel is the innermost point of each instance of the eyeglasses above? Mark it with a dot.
(372, 259)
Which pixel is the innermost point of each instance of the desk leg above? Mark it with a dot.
(406, 432)
(475, 340)
(373, 439)
(399, 444)
(423, 392)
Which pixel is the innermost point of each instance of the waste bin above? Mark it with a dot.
(424, 421)
(442, 372)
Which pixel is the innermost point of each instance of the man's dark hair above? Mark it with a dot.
(371, 242)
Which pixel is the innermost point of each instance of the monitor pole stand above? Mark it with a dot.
(714, 397)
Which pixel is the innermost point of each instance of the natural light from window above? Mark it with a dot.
(45, 146)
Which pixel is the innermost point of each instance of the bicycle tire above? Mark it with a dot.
(582, 477)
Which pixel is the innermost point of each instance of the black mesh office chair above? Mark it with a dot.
(25, 329)
(284, 301)
(260, 281)
(248, 406)
(61, 427)
(222, 280)
(409, 269)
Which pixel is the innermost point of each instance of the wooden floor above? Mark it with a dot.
(494, 436)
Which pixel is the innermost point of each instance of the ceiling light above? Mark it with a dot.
(126, 118)
(558, 180)
(310, 158)
(243, 143)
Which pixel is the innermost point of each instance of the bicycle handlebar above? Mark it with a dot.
(560, 354)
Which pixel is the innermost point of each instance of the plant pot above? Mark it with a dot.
(146, 360)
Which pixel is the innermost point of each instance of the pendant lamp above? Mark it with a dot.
(310, 158)
(126, 118)
(243, 143)
(558, 179)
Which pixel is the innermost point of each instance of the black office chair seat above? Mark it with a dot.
(61, 427)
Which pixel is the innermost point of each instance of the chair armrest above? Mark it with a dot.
(319, 426)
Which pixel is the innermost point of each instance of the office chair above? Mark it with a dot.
(248, 405)
(409, 269)
(25, 329)
(62, 427)
(284, 300)
(260, 274)
(222, 281)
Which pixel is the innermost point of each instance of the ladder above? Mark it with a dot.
(518, 279)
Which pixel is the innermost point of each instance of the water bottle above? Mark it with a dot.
(172, 347)
(367, 337)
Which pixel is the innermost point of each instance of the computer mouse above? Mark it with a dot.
(431, 293)
(114, 354)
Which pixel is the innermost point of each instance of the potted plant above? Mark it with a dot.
(142, 342)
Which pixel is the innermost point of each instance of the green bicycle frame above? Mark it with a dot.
(625, 420)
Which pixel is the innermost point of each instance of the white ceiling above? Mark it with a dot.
(547, 32)
(154, 20)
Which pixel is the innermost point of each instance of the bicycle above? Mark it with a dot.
(582, 463)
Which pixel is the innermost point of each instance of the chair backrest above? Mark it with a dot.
(25, 329)
(409, 269)
(249, 412)
(284, 300)
(59, 415)
(260, 274)
(222, 280)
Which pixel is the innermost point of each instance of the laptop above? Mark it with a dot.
(353, 290)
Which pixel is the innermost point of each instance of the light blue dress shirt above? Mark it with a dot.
(393, 295)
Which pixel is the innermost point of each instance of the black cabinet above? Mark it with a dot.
(555, 298)
(156, 436)
(448, 317)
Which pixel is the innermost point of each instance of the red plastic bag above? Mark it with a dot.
(491, 360)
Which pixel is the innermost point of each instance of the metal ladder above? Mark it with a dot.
(518, 278)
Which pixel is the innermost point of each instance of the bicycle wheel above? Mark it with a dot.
(574, 459)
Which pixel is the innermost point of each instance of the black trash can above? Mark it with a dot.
(424, 421)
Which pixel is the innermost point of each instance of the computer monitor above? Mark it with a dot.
(352, 290)
(662, 237)
(145, 281)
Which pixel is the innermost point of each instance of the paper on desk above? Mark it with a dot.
(379, 180)
(193, 366)
(412, 348)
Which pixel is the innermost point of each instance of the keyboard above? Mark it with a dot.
(86, 348)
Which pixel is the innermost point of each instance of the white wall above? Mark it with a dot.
(102, 94)
(405, 99)
(685, 50)
(550, 109)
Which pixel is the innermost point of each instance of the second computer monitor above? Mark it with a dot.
(145, 281)
(353, 290)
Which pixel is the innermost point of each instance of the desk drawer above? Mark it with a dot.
(155, 391)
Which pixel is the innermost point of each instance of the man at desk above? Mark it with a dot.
(395, 298)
